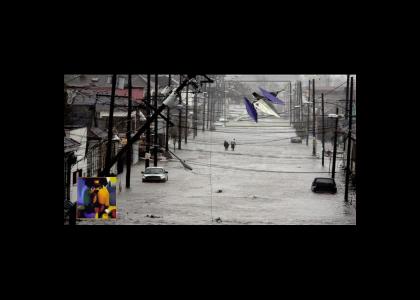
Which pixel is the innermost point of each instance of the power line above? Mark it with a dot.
(333, 89)
(211, 184)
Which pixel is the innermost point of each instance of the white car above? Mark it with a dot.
(155, 174)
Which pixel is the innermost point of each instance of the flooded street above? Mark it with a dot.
(265, 180)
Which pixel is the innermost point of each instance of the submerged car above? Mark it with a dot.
(324, 184)
(155, 174)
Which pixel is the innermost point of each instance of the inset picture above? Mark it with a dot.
(96, 197)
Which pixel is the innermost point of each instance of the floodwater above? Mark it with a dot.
(266, 180)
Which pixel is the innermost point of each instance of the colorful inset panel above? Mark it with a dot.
(96, 197)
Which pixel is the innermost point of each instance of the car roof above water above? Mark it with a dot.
(324, 180)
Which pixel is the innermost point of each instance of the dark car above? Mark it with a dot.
(155, 174)
(324, 184)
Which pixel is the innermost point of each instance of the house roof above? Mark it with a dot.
(99, 84)
(85, 81)
(70, 144)
(88, 96)
(101, 81)
(163, 80)
(83, 99)
(97, 133)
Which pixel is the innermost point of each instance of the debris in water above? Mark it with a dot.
(152, 216)
(219, 191)
(218, 220)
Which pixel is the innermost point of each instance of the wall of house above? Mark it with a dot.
(65, 177)
(79, 114)
(79, 135)
(95, 158)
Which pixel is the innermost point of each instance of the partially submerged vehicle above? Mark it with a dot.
(324, 184)
(155, 174)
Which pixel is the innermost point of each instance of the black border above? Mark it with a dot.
(216, 59)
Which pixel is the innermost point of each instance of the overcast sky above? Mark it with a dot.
(333, 79)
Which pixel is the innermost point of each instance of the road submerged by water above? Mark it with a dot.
(266, 180)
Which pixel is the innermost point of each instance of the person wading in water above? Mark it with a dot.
(226, 144)
(233, 144)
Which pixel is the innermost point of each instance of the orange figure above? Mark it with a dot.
(100, 198)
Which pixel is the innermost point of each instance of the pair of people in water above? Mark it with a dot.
(232, 144)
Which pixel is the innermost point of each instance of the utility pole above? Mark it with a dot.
(323, 129)
(137, 117)
(169, 102)
(146, 164)
(128, 135)
(155, 138)
(186, 117)
(217, 104)
(346, 112)
(307, 116)
(347, 97)
(290, 102)
(95, 119)
(213, 107)
(346, 191)
(208, 105)
(212, 95)
(168, 116)
(110, 123)
(195, 116)
(296, 102)
(204, 108)
(225, 105)
(313, 119)
(222, 98)
(179, 117)
(300, 105)
(335, 144)
(301, 102)
(292, 106)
